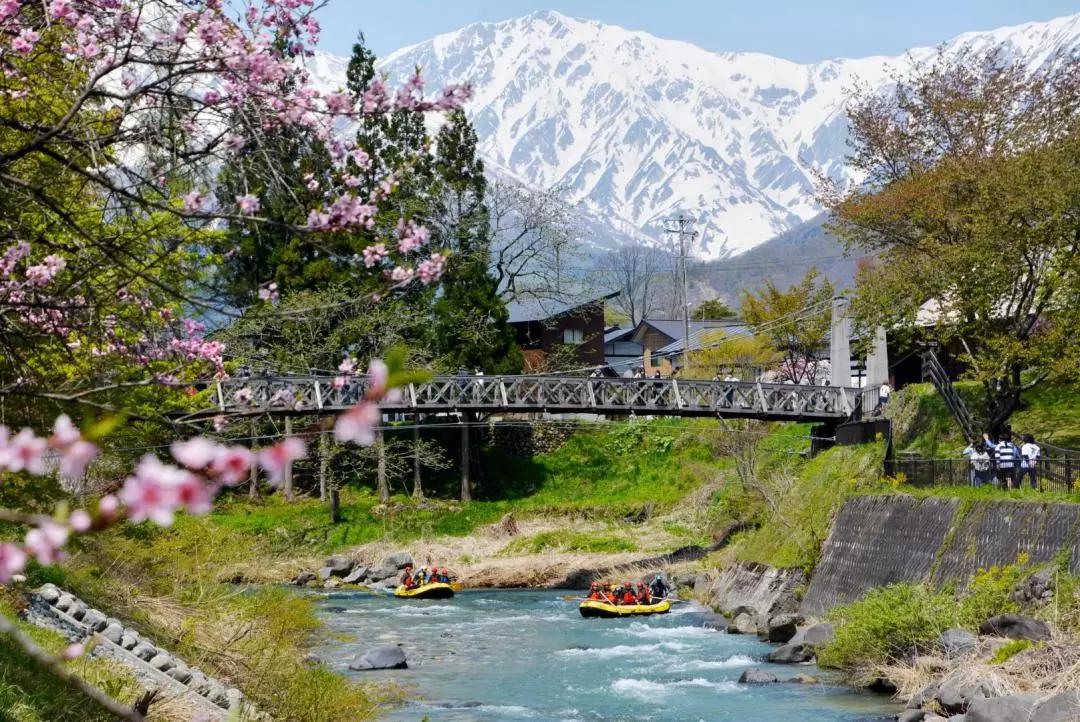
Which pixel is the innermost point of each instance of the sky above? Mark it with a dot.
(799, 30)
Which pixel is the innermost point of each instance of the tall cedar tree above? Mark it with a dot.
(471, 328)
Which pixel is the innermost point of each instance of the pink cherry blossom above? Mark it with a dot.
(232, 464)
(26, 452)
(194, 201)
(220, 422)
(358, 424)
(193, 495)
(65, 433)
(80, 521)
(45, 541)
(195, 453)
(280, 456)
(376, 379)
(152, 492)
(73, 651)
(248, 204)
(12, 561)
(108, 505)
(347, 366)
(76, 458)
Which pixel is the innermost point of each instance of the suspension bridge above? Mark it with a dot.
(315, 395)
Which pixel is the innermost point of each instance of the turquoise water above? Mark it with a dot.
(528, 655)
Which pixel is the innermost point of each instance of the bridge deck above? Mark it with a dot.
(549, 394)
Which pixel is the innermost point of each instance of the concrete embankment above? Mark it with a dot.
(881, 540)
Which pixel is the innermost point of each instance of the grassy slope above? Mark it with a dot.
(31, 694)
(601, 475)
(923, 425)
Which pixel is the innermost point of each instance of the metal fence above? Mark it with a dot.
(1061, 475)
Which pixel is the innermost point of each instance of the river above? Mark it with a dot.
(528, 655)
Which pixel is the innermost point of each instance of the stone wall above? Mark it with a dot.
(526, 440)
(880, 540)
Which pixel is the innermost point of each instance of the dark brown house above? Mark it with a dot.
(544, 326)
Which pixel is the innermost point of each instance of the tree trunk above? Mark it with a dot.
(466, 495)
(324, 462)
(335, 506)
(253, 490)
(380, 449)
(417, 489)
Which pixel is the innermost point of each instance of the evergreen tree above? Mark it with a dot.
(471, 328)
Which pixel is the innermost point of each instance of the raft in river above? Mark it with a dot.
(596, 608)
(435, 590)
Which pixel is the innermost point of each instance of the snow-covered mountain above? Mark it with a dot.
(637, 128)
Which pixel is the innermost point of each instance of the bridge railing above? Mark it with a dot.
(540, 393)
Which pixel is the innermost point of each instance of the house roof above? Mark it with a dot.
(618, 334)
(541, 309)
(703, 336)
(673, 327)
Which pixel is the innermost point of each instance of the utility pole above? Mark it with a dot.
(681, 229)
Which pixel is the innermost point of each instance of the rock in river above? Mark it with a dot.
(384, 656)
(757, 676)
(783, 627)
(743, 624)
(790, 654)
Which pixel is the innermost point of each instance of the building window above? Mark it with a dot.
(573, 336)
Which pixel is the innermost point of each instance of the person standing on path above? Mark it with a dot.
(980, 466)
(1007, 457)
(1029, 459)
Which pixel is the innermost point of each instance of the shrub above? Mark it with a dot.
(1006, 651)
(890, 624)
(987, 594)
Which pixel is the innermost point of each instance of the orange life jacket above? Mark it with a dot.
(629, 598)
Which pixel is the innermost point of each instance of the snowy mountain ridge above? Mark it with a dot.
(636, 128)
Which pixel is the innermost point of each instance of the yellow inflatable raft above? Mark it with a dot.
(436, 590)
(594, 608)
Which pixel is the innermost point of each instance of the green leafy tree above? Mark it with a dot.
(721, 352)
(795, 322)
(471, 323)
(972, 207)
(715, 310)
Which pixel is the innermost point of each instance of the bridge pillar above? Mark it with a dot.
(324, 462)
(840, 344)
(417, 489)
(877, 363)
(466, 494)
(253, 470)
(380, 451)
(287, 487)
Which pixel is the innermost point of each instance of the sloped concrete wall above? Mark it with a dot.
(881, 540)
(765, 590)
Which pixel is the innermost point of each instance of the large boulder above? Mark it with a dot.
(397, 561)
(303, 578)
(743, 624)
(1006, 709)
(783, 627)
(1016, 626)
(324, 573)
(958, 643)
(818, 635)
(790, 654)
(755, 675)
(959, 690)
(339, 565)
(912, 715)
(384, 656)
(357, 575)
(924, 695)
